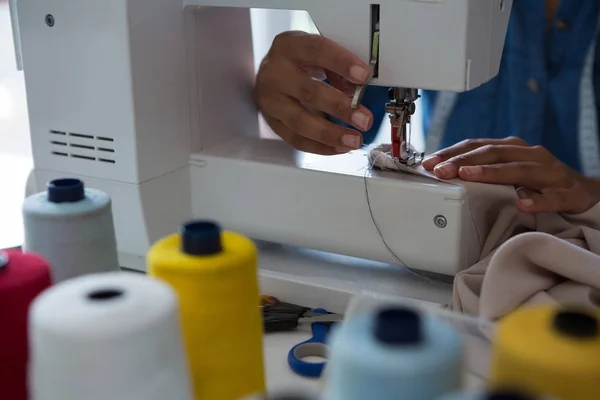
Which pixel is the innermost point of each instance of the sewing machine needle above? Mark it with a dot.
(360, 90)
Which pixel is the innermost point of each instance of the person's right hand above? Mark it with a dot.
(293, 98)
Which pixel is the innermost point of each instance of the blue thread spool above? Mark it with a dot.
(395, 352)
(71, 226)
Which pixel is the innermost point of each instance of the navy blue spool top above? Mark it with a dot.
(201, 238)
(66, 190)
(398, 327)
(576, 324)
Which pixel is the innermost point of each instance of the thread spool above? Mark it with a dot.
(548, 351)
(215, 276)
(108, 336)
(72, 227)
(22, 278)
(394, 352)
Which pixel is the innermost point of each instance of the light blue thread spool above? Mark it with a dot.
(72, 228)
(393, 354)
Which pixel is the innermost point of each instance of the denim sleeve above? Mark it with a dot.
(374, 99)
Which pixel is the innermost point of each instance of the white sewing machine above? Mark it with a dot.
(150, 101)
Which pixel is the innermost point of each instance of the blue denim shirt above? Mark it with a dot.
(541, 94)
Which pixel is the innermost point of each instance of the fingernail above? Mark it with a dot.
(352, 141)
(526, 202)
(359, 74)
(472, 171)
(431, 160)
(445, 170)
(522, 193)
(360, 120)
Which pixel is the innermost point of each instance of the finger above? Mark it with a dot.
(525, 193)
(528, 174)
(466, 146)
(569, 201)
(325, 98)
(318, 51)
(314, 127)
(489, 155)
(341, 84)
(301, 143)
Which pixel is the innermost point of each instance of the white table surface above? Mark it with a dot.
(279, 376)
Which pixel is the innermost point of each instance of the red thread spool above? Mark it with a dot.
(22, 277)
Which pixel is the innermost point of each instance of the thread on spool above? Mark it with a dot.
(72, 227)
(214, 272)
(394, 351)
(22, 278)
(546, 351)
(108, 336)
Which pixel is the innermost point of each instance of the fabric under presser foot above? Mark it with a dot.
(381, 157)
(522, 258)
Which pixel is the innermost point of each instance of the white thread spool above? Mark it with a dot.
(72, 228)
(107, 336)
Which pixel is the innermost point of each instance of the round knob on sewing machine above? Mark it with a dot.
(576, 324)
(201, 238)
(398, 327)
(67, 190)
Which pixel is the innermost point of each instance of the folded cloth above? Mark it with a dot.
(524, 258)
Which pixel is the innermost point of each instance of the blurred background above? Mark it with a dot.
(15, 146)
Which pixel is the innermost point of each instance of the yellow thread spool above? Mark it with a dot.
(215, 275)
(548, 351)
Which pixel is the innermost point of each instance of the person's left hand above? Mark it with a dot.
(553, 187)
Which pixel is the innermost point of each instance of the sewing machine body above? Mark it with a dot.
(150, 101)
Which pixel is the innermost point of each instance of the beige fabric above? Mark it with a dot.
(524, 258)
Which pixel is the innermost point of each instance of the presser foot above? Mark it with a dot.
(414, 159)
(408, 157)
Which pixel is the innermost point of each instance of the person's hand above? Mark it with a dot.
(292, 96)
(545, 184)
